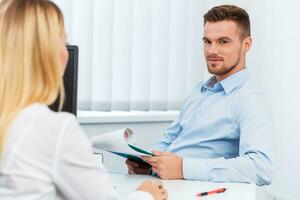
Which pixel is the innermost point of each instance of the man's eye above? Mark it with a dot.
(223, 41)
(206, 42)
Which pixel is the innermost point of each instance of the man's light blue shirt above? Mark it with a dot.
(224, 132)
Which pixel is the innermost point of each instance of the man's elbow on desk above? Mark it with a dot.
(265, 173)
(241, 169)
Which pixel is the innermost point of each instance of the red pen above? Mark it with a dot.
(220, 190)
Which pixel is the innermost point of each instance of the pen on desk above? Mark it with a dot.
(220, 190)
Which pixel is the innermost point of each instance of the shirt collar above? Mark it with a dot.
(228, 84)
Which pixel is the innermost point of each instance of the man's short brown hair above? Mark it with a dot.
(231, 13)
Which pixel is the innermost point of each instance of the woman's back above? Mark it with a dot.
(28, 156)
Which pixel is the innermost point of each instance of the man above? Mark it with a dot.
(224, 130)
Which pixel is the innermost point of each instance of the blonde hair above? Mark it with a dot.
(30, 65)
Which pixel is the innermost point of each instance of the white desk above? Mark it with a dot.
(184, 189)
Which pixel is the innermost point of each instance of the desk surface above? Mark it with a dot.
(185, 189)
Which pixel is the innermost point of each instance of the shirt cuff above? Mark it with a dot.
(137, 195)
(195, 169)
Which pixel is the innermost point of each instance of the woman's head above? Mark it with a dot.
(32, 56)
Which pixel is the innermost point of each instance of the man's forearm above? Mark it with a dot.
(240, 169)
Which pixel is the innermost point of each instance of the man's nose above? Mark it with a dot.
(213, 49)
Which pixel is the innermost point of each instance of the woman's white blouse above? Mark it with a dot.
(47, 156)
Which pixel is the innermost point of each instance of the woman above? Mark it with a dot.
(44, 155)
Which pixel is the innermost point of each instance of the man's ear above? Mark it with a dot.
(247, 43)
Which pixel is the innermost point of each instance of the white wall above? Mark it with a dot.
(284, 96)
(277, 74)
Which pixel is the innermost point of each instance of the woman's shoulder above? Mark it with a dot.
(40, 117)
(40, 127)
(36, 110)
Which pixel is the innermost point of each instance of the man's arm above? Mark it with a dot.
(169, 136)
(254, 164)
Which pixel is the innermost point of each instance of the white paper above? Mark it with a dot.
(116, 141)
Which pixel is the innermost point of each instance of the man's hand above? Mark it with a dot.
(137, 168)
(165, 164)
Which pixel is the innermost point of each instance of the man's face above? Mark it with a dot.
(224, 49)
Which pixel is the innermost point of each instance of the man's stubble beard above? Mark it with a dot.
(222, 71)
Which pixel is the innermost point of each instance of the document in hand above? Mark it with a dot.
(120, 142)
